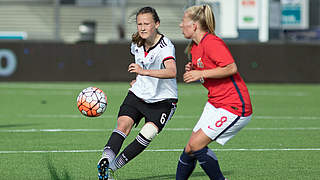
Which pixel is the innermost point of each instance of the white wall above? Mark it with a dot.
(227, 27)
(228, 22)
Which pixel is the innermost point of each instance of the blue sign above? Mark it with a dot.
(295, 14)
(291, 14)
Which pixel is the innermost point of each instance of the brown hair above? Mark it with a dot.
(204, 15)
(135, 37)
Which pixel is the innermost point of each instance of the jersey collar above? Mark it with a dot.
(154, 45)
(204, 36)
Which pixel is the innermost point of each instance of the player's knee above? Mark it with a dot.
(149, 131)
(125, 124)
(190, 148)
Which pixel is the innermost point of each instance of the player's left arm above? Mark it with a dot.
(219, 72)
(170, 70)
(219, 53)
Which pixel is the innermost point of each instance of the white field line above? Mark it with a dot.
(288, 117)
(48, 86)
(118, 91)
(158, 150)
(56, 86)
(106, 116)
(37, 93)
(138, 129)
(184, 93)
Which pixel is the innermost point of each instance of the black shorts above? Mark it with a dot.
(159, 112)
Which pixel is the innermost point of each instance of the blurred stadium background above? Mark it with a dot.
(48, 46)
(55, 40)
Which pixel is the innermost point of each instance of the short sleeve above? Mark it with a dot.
(167, 52)
(218, 52)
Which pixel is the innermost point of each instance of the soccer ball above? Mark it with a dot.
(92, 102)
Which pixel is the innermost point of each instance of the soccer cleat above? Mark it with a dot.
(103, 169)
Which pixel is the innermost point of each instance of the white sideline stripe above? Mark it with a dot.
(288, 117)
(242, 149)
(104, 116)
(53, 86)
(159, 150)
(135, 129)
(311, 128)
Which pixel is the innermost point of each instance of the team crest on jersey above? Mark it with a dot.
(151, 59)
(200, 63)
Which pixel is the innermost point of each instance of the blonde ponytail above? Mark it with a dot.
(209, 19)
(204, 15)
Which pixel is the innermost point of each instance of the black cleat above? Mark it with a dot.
(103, 167)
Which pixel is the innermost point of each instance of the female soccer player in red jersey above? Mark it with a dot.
(228, 108)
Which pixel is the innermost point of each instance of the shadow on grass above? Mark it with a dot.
(169, 176)
(173, 176)
(16, 125)
(54, 174)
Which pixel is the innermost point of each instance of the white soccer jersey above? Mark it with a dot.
(148, 88)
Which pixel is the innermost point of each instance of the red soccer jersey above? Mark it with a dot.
(229, 93)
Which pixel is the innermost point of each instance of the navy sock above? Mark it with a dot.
(186, 165)
(209, 163)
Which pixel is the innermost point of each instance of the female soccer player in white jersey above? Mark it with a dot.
(228, 108)
(153, 94)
